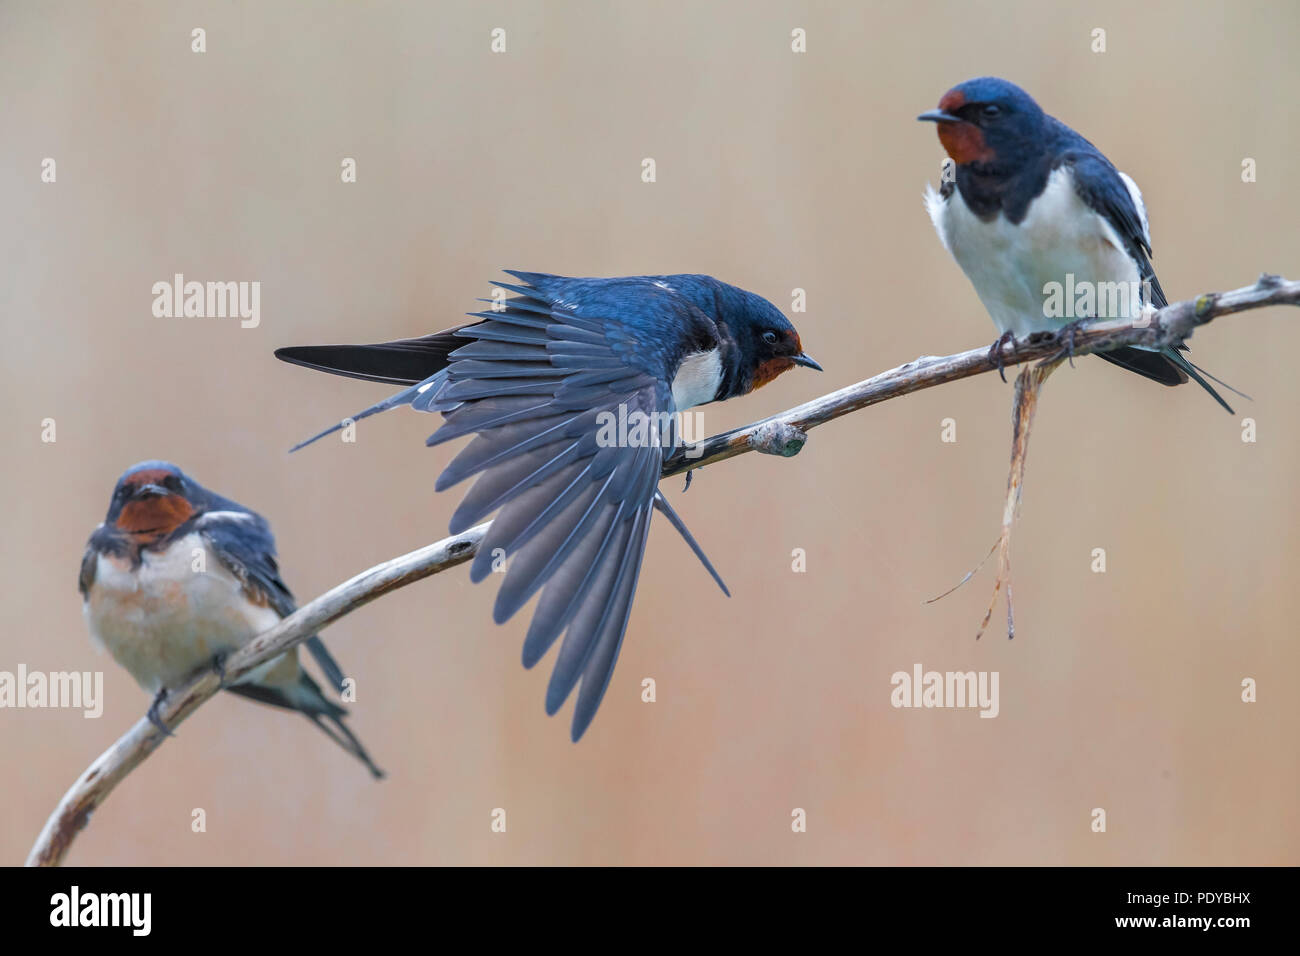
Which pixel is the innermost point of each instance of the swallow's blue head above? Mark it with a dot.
(759, 343)
(152, 499)
(990, 123)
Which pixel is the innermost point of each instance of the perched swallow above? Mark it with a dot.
(1034, 203)
(177, 577)
(538, 380)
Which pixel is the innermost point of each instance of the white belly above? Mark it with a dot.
(166, 620)
(697, 379)
(1060, 241)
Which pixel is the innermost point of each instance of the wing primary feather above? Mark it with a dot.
(559, 346)
(483, 369)
(490, 413)
(509, 441)
(526, 291)
(523, 514)
(532, 278)
(611, 596)
(599, 666)
(568, 519)
(584, 627)
(517, 318)
(568, 586)
(501, 351)
(500, 485)
(572, 333)
(528, 304)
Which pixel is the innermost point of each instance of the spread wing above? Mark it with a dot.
(243, 543)
(543, 385)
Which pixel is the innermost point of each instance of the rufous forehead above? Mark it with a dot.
(952, 101)
(150, 476)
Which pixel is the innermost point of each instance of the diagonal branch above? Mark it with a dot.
(785, 433)
(782, 434)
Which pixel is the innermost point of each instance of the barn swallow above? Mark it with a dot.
(537, 380)
(177, 577)
(1036, 207)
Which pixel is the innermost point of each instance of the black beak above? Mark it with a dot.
(149, 491)
(805, 361)
(940, 116)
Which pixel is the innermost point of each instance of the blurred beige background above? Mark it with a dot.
(775, 171)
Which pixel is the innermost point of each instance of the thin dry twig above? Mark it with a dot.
(1028, 385)
(783, 434)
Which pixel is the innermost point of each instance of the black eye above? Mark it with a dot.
(769, 337)
(991, 109)
(172, 483)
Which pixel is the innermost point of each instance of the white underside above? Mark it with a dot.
(697, 379)
(164, 620)
(1011, 265)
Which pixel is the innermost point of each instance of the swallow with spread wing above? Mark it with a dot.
(537, 379)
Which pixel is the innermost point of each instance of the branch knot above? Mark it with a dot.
(778, 438)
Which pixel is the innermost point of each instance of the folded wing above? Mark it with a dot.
(243, 543)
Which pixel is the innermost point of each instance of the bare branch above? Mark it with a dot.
(782, 434)
(1169, 326)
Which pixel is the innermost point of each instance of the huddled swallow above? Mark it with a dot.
(1033, 203)
(177, 577)
(534, 380)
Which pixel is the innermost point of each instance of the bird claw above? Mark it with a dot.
(219, 665)
(995, 352)
(153, 715)
(1067, 333)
